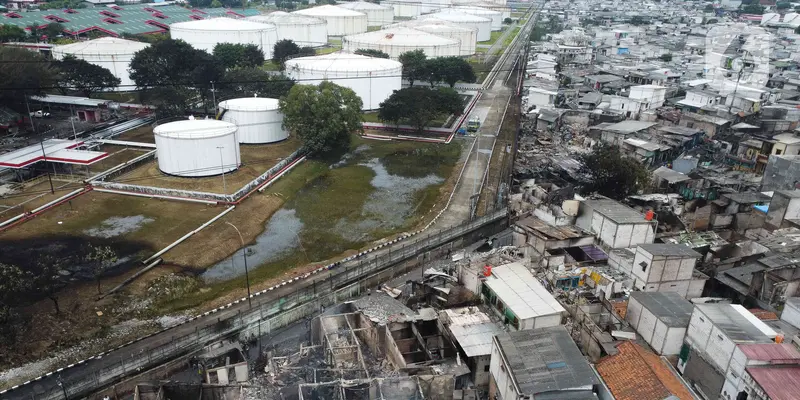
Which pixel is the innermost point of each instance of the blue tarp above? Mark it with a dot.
(763, 208)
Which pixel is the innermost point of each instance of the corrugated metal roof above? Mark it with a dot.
(550, 231)
(770, 351)
(732, 323)
(546, 360)
(516, 287)
(669, 250)
(780, 383)
(668, 307)
(615, 211)
(476, 339)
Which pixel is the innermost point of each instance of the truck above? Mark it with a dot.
(473, 124)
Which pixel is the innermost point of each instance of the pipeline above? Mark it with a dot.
(186, 236)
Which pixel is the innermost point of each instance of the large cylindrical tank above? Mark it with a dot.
(466, 36)
(483, 25)
(504, 10)
(377, 14)
(495, 16)
(304, 30)
(409, 8)
(113, 54)
(207, 33)
(259, 119)
(373, 79)
(197, 147)
(396, 41)
(340, 21)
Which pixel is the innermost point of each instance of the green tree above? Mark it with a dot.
(14, 284)
(53, 30)
(667, 57)
(418, 106)
(84, 77)
(246, 82)
(12, 33)
(239, 55)
(169, 72)
(414, 65)
(508, 21)
(709, 8)
(753, 8)
(323, 116)
(101, 257)
(613, 174)
(782, 5)
(284, 50)
(372, 53)
(450, 70)
(216, 4)
(638, 20)
(23, 72)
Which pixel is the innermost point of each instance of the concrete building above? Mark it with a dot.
(784, 209)
(616, 225)
(781, 173)
(715, 330)
(660, 318)
(791, 312)
(747, 356)
(519, 299)
(472, 331)
(540, 364)
(541, 236)
(652, 96)
(668, 268)
(772, 383)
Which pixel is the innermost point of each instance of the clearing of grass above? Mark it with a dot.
(256, 159)
(510, 37)
(327, 50)
(142, 134)
(116, 156)
(494, 36)
(32, 195)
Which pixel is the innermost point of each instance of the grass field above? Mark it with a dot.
(256, 159)
(142, 134)
(32, 196)
(327, 50)
(495, 35)
(116, 155)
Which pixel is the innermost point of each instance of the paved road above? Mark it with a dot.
(490, 109)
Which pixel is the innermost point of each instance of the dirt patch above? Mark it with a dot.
(142, 134)
(256, 159)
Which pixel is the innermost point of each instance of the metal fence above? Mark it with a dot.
(331, 286)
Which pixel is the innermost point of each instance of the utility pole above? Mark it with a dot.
(72, 121)
(222, 168)
(41, 143)
(213, 91)
(244, 255)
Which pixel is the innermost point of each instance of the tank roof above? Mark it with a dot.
(106, 45)
(433, 25)
(341, 61)
(284, 18)
(250, 104)
(454, 17)
(362, 5)
(473, 10)
(401, 36)
(329, 11)
(194, 129)
(223, 24)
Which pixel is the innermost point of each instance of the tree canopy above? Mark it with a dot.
(753, 8)
(418, 106)
(414, 65)
(613, 174)
(286, 49)
(52, 30)
(239, 55)
(169, 72)
(12, 33)
(450, 70)
(84, 77)
(246, 82)
(23, 72)
(372, 53)
(323, 116)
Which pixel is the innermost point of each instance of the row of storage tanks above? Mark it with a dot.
(206, 147)
(451, 31)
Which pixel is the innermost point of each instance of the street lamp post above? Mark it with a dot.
(63, 388)
(222, 168)
(244, 255)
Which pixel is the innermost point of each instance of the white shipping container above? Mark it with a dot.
(791, 312)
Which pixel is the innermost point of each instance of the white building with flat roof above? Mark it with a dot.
(518, 297)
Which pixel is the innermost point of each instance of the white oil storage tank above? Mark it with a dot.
(259, 119)
(113, 54)
(341, 21)
(206, 33)
(396, 41)
(301, 29)
(409, 8)
(483, 25)
(466, 36)
(377, 14)
(495, 16)
(372, 79)
(504, 10)
(197, 147)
